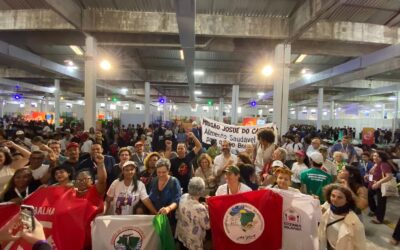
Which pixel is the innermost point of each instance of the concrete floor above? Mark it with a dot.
(378, 236)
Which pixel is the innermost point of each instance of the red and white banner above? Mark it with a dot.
(251, 220)
(64, 216)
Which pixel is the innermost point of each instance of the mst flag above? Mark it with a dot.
(132, 232)
(251, 220)
(63, 215)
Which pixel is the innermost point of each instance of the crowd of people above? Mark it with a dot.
(169, 170)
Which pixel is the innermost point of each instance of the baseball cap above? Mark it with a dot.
(19, 132)
(232, 169)
(72, 145)
(301, 153)
(277, 164)
(317, 157)
(129, 163)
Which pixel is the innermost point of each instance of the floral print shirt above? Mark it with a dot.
(193, 221)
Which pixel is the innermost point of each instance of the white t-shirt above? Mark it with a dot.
(223, 189)
(123, 198)
(300, 216)
(219, 163)
(87, 146)
(297, 169)
(290, 156)
(6, 173)
(40, 171)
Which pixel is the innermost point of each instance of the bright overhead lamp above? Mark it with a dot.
(182, 55)
(267, 70)
(198, 92)
(124, 91)
(198, 72)
(77, 50)
(260, 94)
(392, 98)
(105, 65)
(378, 105)
(300, 58)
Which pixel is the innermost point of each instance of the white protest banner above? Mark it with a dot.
(239, 136)
(132, 232)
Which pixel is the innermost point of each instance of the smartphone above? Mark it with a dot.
(27, 218)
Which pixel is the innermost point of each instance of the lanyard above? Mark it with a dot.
(19, 194)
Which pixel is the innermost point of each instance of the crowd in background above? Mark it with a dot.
(167, 169)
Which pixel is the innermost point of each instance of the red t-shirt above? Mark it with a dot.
(378, 172)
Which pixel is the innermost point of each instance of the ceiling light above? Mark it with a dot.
(198, 92)
(267, 70)
(260, 94)
(52, 89)
(69, 62)
(300, 58)
(62, 97)
(198, 72)
(105, 64)
(182, 55)
(378, 105)
(392, 98)
(124, 91)
(77, 50)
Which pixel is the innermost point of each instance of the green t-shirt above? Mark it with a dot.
(315, 180)
(213, 152)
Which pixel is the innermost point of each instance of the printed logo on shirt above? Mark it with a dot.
(128, 238)
(183, 169)
(243, 223)
(291, 220)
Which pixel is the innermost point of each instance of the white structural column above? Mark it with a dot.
(332, 113)
(320, 107)
(221, 109)
(395, 125)
(1, 107)
(46, 104)
(147, 103)
(383, 111)
(281, 87)
(57, 102)
(90, 82)
(165, 109)
(235, 101)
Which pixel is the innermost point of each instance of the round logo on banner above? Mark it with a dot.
(243, 223)
(128, 238)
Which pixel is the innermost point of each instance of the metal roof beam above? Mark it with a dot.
(25, 57)
(185, 17)
(68, 10)
(308, 14)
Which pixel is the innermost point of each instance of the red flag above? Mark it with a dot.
(7, 211)
(250, 220)
(63, 215)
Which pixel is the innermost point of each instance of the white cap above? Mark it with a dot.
(19, 132)
(277, 164)
(194, 123)
(129, 163)
(317, 157)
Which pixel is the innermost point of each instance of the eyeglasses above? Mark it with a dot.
(84, 179)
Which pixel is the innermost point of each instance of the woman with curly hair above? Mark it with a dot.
(340, 228)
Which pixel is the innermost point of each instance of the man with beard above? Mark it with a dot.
(223, 161)
(182, 166)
